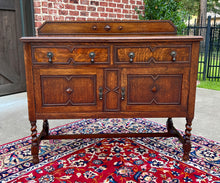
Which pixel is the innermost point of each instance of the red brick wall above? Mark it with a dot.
(70, 10)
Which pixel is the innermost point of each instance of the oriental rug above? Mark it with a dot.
(115, 160)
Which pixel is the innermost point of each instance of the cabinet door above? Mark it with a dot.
(67, 90)
(155, 89)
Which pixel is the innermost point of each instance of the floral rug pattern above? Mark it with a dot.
(119, 160)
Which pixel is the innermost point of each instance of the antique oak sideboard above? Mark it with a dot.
(110, 70)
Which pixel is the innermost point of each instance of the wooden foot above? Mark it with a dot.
(187, 141)
(35, 144)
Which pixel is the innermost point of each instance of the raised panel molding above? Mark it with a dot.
(70, 91)
(154, 89)
(111, 90)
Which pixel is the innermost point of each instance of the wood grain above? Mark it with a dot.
(150, 84)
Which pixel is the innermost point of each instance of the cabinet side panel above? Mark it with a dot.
(193, 79)
(29, 81)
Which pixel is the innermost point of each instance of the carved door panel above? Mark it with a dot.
(69, 90)
(155, 89)
(111, 89)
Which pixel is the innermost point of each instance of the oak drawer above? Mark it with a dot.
(156, 54)
(70, 55)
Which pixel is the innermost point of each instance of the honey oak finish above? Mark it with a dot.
(110, 70)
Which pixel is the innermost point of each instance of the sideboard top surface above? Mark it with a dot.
(111, 39)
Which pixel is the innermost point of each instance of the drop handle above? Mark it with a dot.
(131, 56)
(50, 56)
(92, 56)
(173, 54)
(122, 93)
(100, 93)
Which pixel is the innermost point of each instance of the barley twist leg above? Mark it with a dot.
(35, 144)
(187, 141)
(45, 131)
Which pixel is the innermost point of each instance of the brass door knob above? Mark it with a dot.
(154, 89)
(69, 91)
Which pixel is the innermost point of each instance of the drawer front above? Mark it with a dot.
(148, 54)
(155, 90)
(63, 90)
(70, 55)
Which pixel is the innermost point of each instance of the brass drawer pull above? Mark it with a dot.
(50, 55)
(173, 54)
(100, 93)
(131, 56)
(122, 93)
(92, 56)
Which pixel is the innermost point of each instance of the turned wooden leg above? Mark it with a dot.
(173, 131)
(169, 125)
(35, 144)
(187, 141)
(45, 130)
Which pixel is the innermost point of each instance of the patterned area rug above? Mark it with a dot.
(119, 160)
